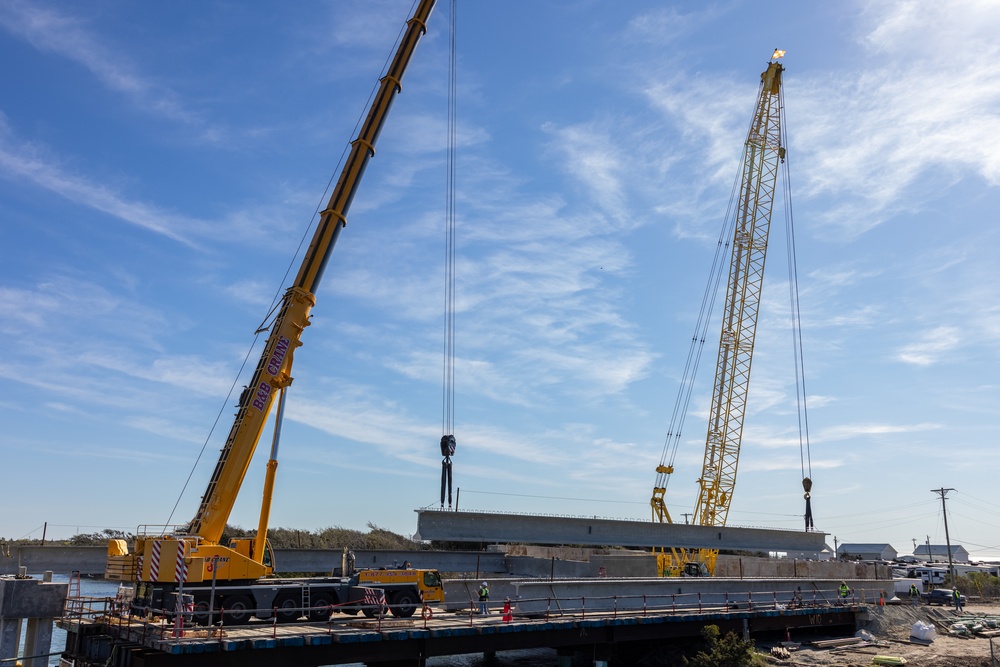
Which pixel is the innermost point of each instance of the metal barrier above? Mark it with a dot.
(161, 625)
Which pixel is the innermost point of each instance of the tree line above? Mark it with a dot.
(334, 537)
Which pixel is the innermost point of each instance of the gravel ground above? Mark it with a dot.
(890, 625)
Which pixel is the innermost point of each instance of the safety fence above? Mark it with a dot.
(179, 625)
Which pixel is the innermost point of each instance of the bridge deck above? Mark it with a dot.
(410, 641)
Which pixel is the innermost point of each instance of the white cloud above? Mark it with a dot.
(28, 163)
(591, 155)
(923, 100)
(931, 346)
(69, 36)
(848, 431)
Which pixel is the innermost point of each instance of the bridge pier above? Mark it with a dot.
(39, 602)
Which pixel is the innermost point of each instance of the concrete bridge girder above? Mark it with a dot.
(534, 529)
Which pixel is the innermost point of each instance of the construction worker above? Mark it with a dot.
(484, 598)
(914, 594)
(844, 592)
(958, 600)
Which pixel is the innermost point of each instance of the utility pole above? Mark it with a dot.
(943, 492)
(686, 515)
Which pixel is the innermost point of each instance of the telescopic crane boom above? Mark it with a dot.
(762, 153)
(198, 544)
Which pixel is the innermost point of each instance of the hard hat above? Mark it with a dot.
(485, 584)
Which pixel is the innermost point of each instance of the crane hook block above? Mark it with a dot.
(807, 484)
(447, 445)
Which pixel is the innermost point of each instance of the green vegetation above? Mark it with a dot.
(979, 584)
(727, 651)
(330, 538)
(281, 538)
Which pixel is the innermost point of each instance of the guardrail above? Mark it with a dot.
(174, 625)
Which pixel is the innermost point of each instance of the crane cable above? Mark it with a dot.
(683, 400)
(276, 299)
(448, 366)
(693, 361)
(805, 455)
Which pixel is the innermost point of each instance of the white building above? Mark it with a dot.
(866, 552)
(939, 553)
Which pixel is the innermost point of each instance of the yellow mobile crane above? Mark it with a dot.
(188, 558)
(761, 155)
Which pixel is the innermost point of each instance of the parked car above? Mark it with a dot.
(944, 596)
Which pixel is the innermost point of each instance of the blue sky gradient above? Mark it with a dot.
(160, 165)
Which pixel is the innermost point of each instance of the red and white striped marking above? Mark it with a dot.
(181, 569)
(154, 562)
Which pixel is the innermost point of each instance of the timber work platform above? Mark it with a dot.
(103, 638)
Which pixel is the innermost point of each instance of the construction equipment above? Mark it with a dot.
(755, 195)
(168, 561)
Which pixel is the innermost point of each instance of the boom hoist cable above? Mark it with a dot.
(448, 442)
(745, 235)
(805, 455)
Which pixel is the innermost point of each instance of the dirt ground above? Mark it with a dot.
(890, 625)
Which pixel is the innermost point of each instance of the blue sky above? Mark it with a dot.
(159, 166)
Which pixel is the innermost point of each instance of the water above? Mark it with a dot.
(88, 587)
(521, 658)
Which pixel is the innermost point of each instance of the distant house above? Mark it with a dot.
(866, 552)
(938, 553)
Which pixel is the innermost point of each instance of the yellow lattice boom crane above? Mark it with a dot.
(761, 155)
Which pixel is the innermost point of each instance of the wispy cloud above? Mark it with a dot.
(922, 103)
(70, 36)
(22, 161)
(924, 100)
(931, 346)
(846, 431)
(591, 156)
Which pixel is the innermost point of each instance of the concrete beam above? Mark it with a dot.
(324, 560)
(532, 529)
(540, 597)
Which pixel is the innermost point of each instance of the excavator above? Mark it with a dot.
(236, 577)
(754, 198)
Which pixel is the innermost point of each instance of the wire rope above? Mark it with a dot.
(805, 454)
(693, 361)
(265, 324)
(448, 370)
(448, 442)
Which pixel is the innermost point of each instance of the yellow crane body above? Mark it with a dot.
(165, 559)
(762, 154)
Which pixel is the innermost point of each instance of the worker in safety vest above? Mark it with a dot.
(914, 594)
(484, 597)
(844, 591)
(958, 599)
